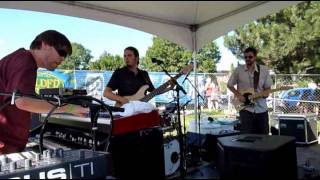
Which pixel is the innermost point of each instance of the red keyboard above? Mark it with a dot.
(135, 123)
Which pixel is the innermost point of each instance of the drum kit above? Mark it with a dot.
(171, 145)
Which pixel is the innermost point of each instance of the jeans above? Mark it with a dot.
(254, 123)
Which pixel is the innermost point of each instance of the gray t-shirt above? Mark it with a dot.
(244, 81)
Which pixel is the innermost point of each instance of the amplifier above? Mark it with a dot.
(138, 155)
(302, 126)
(253, 156)
(56, 164)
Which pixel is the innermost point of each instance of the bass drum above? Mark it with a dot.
(171, 157)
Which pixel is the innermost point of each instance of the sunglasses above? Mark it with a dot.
(62, 52)
(248, 57)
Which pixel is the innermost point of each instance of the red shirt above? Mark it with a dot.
(18, 71)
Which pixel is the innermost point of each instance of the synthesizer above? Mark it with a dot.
(121, 125)
(73, 132)
(79, 122)
(56, 164)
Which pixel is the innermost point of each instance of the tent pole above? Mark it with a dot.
(194, 50)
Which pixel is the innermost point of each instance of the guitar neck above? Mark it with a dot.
(159, 90)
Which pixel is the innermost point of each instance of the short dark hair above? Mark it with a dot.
(134, 50)
(251, 49)
(52, 38)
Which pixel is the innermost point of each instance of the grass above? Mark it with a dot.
(204, 113)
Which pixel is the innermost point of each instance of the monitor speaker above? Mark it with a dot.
(249, 156)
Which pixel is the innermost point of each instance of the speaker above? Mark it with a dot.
(249, 156)
(138, 154)
(302, 126)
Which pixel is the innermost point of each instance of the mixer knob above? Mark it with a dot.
(54, 152)
(4, 159)
(12, 166)
(49, 153)
(60, 152)
(44, 154)
(38, 157)
(27, 163)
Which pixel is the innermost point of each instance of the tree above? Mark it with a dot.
(208, 57)
(176, 57)
(288, 41)
(107, 62)
(79, 58)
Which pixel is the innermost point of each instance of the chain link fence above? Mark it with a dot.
(304, 97)
(295, 93)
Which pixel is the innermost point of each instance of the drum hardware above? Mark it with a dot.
(177, 88)
(165, 120)
(171, 157)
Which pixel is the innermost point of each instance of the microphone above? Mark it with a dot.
(154, 60)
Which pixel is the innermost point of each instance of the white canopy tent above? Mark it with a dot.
(191, 24)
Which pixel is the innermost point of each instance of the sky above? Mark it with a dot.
(20, 27)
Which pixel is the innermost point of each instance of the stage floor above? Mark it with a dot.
(310, 153)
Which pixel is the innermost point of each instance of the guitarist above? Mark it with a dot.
(254, 119)
(128, 79)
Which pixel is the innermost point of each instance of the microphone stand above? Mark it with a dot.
(184, 114)
(199, 113)
(184, 126)
(183, 168)
(87, 101)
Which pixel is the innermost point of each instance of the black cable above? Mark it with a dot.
(94, 114)
(111, 128)
(43, 127)
(106, 107)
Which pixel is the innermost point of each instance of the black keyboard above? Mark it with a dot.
(56, 164)
(101, 115)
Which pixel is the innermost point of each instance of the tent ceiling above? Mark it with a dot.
(172, 20)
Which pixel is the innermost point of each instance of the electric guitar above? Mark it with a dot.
(250, 96)
(140, 94)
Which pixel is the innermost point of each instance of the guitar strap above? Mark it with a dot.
(145, 78)
(256, 78)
